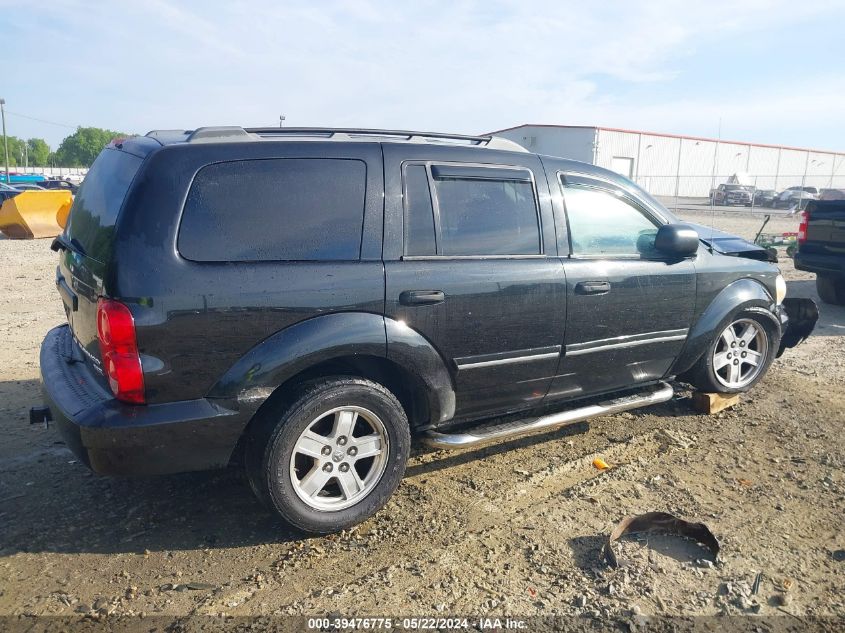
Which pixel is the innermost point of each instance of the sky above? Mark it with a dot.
(768, 71)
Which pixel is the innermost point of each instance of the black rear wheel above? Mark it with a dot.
(831, 289)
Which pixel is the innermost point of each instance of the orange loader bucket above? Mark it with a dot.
(34, 214)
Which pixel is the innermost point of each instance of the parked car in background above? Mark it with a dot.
(7, 191)
(764, 197)
(29, 186)
(730, 194)
(56, 184)
(16, 177)
(832, 194)
(796, 197)
(375, 285)
(821, 247)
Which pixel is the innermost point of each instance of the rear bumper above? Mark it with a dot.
(817, 263)
(113, 438)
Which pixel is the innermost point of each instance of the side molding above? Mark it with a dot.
(739, 295)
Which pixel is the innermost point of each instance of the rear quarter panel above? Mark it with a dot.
(195, 320)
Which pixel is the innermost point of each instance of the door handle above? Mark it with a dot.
(592, 287)
(421, 297)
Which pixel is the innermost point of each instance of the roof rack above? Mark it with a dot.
(217, 134)
(331, 132)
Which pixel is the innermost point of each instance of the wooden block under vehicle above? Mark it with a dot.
(711, 403)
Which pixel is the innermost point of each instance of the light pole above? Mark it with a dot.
(5, 142)
(281, 120)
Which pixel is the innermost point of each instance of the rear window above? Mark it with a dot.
(294, 209)
(98, 201)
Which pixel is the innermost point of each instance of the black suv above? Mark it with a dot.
(309, 299)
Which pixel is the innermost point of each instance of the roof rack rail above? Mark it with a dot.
(235, 133)
(330, 132)
(218, 133)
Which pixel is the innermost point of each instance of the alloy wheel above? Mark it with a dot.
(339, 458)
(740, 353)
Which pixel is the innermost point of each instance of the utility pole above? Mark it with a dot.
(5, 142)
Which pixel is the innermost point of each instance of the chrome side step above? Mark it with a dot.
(485, 434)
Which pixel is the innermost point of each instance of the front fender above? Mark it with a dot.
(294, 349)
(739, 295)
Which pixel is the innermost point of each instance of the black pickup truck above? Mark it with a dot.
(821, 247)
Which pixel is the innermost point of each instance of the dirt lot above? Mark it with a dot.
(512, 529)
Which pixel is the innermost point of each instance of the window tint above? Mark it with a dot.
(275, 209)
(419, 215)
(600, 223)
(98, 201)
(487, 217)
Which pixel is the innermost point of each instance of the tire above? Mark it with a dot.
(296, 456)
(831, 289)
(710, 375)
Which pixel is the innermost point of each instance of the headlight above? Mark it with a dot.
(780, 289)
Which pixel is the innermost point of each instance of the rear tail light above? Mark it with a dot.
(119, 351)
(802, 228)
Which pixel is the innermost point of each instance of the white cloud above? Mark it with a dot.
(460, 65)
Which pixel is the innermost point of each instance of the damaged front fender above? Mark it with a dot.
(803, 315)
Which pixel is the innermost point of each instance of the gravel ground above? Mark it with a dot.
(512, 529)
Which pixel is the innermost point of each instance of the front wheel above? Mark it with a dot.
(739, 357)
(333, 457)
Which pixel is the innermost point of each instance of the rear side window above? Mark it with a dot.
(486, 212)
(275, 209)
(419, 213)
(98, 202)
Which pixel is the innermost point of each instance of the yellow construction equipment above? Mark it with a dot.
(33, 214)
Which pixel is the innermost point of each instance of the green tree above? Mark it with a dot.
(39, 152)
(16, 151)
(82, 147)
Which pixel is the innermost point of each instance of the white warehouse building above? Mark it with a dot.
(687, 166)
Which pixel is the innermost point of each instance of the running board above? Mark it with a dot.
(485, 434)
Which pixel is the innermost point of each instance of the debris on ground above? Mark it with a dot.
(660, 522)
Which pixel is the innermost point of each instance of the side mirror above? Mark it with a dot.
(677, 240)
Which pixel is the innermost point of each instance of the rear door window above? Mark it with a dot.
(98, 202)
(486, 211)
(284, 209)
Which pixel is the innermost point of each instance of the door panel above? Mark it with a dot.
(628, 313)
(499, 325)
(630, 334)
(497, 319)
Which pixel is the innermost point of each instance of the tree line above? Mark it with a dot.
(77, 150)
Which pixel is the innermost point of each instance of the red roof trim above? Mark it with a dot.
(664, 134)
